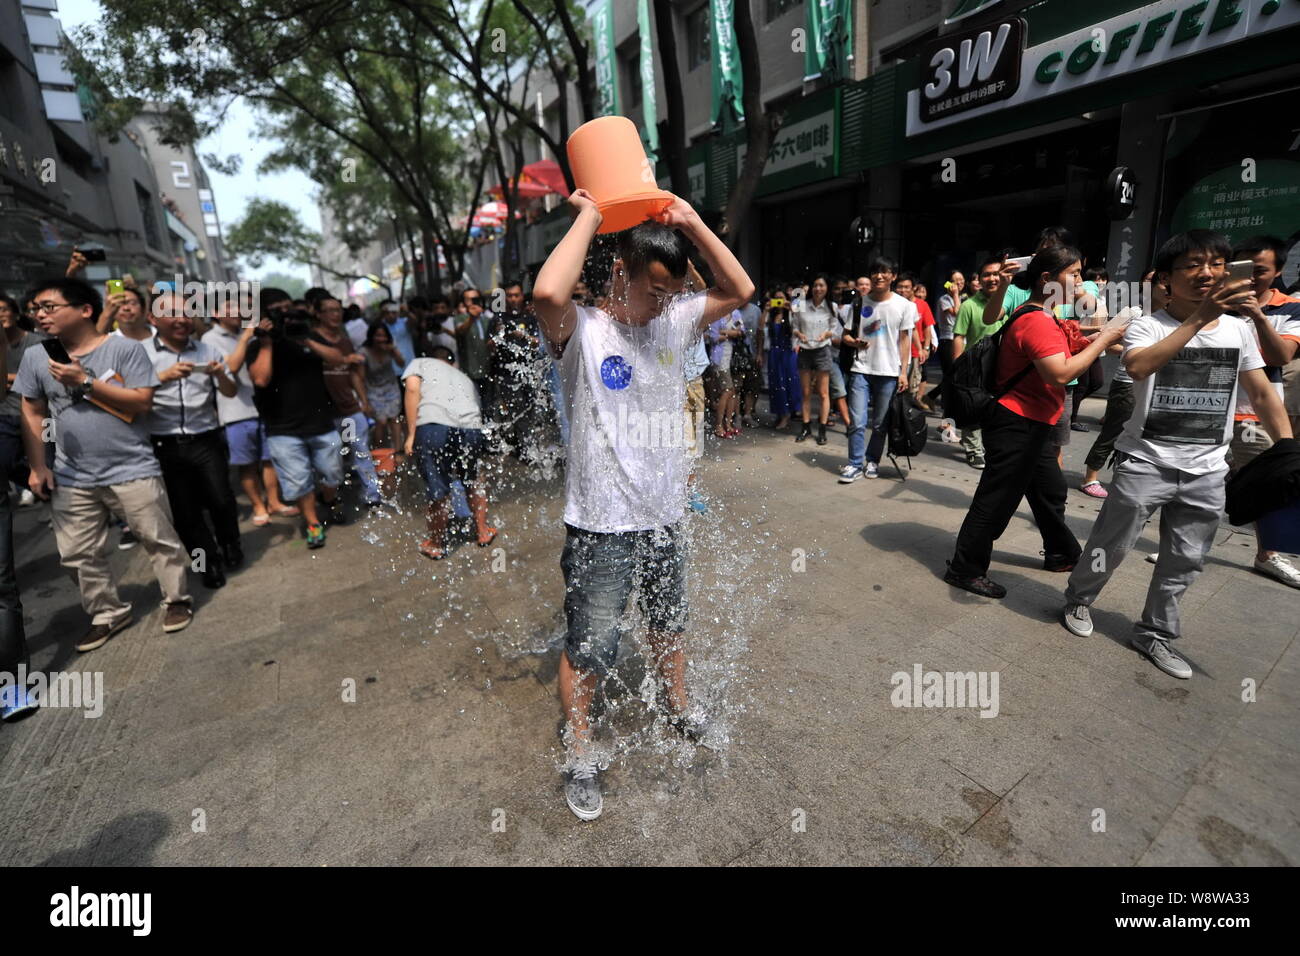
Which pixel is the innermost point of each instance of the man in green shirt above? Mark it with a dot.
(969, 328)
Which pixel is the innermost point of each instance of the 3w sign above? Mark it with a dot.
(973, 69)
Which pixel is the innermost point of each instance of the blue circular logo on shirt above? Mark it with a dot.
(615, 372)
(866, 311)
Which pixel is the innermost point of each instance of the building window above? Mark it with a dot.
(779, 8)
(145, 202)
(697, 37)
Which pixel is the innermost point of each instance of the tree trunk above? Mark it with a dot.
(673, 144)
(759, 127)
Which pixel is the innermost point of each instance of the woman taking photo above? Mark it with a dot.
(813, 324)
(1034, 364)
(944, 320)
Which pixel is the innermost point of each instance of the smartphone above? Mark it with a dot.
(1241, 269)
(55, 350)
(115, 286)
(93, 255)
(1022, 261)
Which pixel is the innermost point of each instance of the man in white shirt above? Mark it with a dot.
(1187, 362)
(622, 373)
(884, 344)
(447, 442)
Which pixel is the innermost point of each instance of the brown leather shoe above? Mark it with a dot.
(177, 618)
(99, 634)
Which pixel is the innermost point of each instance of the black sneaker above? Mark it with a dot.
(979, 585)
(232, 556)
(1059, 562)
(127, 541)
(821, 434)
(214, 576)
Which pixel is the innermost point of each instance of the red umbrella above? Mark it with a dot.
(537, 179)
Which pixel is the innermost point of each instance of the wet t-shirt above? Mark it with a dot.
(623, 389)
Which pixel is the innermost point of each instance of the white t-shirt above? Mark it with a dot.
(241, 407)
(1182, 415)
(622, 386)
(813, 321)
(447, 395)
(356, 330)
(880, 325)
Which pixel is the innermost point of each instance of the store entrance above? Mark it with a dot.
(803, 237)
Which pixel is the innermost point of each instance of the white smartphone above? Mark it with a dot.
(1021, 261)
(1241, 269)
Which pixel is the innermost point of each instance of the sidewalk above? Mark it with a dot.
(807, 596)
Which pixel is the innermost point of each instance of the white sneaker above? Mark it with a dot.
(1278, 567)
(1077, 619)
(872, 471)
(849, 474)
(1153, 557)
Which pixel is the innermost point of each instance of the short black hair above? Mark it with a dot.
(882, 264)
(315, 294)
(990, 261)
(270, 296)
(511, 283)
(378, 325)
(436, 298)
(417, 302)
(1250, 248)
(905, 277)
(1096, 272)
(77, 292)
(1056, 235)
(446, 353)
(23, 320)
(1194, 240)
(652, 242)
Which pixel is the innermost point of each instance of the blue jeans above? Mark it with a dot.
(359, 447)
(875, 392)
(446, 455)
(302, 460)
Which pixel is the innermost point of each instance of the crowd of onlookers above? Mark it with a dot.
(149, 415)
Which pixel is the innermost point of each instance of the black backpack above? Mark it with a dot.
(972, 387)
(905, 427)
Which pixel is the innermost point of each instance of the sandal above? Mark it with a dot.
(490, 538)
(429, 551)
(288, 511)
(261, 520)
(1094, 489)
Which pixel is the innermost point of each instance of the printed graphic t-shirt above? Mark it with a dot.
(1183, 413)
(881, 324)
(623, 391)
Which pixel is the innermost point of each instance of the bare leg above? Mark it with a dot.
(842, 407)
(437, 517)
(670, 657)
(576, 691)
(478, 505)
(307, 504)
(252, 485)
(805, 380)
(272, 485)
(824, 394)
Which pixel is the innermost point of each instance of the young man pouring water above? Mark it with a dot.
(621, 370)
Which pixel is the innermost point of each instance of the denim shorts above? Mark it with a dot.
(295, 457)
(247, 441)
(446, 454)
(600, 570)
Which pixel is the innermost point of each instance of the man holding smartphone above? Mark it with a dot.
(91, 393)
(187, 437)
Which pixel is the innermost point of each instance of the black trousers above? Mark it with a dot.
(13, 642)
(1089, 382)
(945, 366)
(1020, 463)
(194, 470)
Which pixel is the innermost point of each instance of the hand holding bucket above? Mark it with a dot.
(609, 162)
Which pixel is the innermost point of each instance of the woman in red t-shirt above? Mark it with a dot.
(1035, 361)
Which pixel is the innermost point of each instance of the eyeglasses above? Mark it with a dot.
(473, 300)
(39, 307)
(1198, 266)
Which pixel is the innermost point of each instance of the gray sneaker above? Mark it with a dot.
(1077, 620)
(582, 789)
(1163, 657)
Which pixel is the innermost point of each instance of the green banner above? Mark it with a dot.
(830, 38)
(727, 86)
(649, 106)
(602, 31)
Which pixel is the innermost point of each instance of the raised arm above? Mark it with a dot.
(553, 290)
(1149, 359)
(733, 287)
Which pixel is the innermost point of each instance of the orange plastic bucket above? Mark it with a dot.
(385, 461)
(609, 162)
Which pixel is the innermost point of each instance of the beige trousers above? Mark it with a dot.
(81, 521)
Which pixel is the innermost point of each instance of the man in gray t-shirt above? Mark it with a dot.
(95, 409)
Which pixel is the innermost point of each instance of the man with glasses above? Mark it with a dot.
(189, 442)
(96, 410)
(1189, 361)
